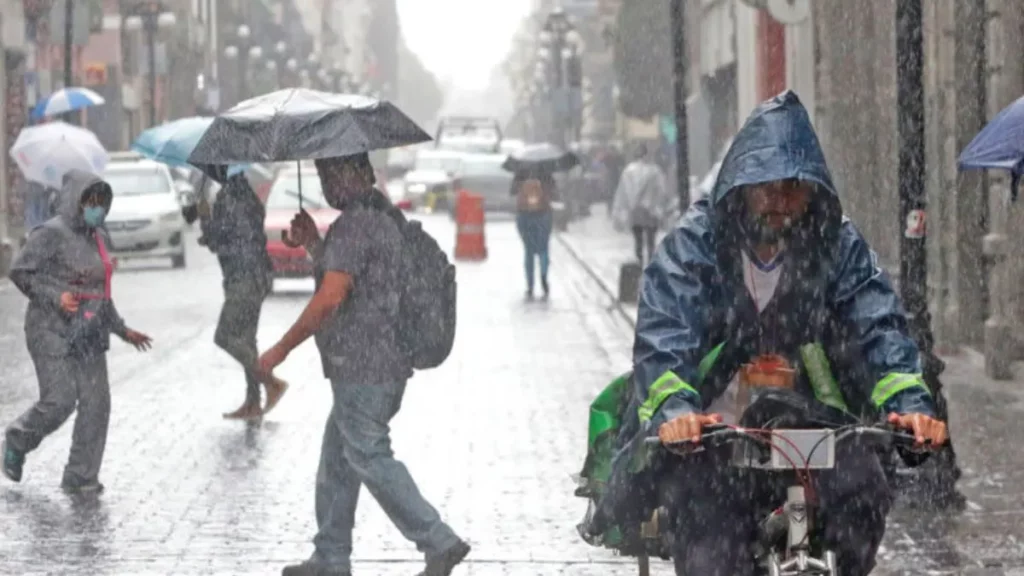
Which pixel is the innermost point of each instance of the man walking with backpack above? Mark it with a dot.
(356, 316)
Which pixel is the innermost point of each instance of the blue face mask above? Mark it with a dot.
(94, 216)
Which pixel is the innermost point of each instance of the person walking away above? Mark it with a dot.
(614, 164)
(39, 204)
(233, 230)
(356, 319)
(534, 192)
(65, 271)
(642, 202)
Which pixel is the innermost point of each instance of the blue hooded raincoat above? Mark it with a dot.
(834, 315)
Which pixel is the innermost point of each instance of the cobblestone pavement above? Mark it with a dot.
(492, 436)
(985, 418)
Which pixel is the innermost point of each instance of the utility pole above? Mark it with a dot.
(910, 130)
(150, 28)
(69, 28)
(679, 55)
(941, 481)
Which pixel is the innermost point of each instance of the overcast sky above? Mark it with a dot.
(461, 41)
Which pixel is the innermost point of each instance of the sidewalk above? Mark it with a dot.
(601, 250)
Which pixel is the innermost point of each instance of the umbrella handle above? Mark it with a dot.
(298, 165)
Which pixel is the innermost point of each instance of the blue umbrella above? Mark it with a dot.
(173, 142)
(1000, 144)
(66, 100)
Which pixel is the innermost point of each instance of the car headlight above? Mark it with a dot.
(417, 188)
(169, 217)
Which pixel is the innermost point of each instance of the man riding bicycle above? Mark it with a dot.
(767, 266)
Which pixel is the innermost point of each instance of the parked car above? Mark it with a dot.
(431, 183)
(145, 219)
(282, 205)
(482, 174)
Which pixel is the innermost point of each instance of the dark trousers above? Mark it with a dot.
(644, 236)
(715, 510)
(236, 331)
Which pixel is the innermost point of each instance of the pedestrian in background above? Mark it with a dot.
(39, 203)
(643, 202)
(233, 230)
(65, 271)
(614, 164)
(534, 191)
(356, 318)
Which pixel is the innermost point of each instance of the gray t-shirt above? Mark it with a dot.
(361, 342)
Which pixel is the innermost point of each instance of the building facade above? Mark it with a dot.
(842, 62)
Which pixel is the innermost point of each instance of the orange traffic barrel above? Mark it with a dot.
(469, 226)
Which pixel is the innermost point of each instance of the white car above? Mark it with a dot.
(145, 220)
(430, 184)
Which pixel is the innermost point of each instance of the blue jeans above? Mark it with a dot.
(535, 230)
(356, 452)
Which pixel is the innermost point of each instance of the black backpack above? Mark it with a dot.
(429, 296)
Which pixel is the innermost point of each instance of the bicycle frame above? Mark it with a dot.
(796, 558)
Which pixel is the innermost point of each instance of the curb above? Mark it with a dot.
(597, 278)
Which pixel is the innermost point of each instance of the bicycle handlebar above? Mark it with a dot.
(722, 433)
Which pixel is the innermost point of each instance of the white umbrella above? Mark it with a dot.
(46, 152)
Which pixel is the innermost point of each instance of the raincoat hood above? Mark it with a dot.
(76, 184)
(778, 142)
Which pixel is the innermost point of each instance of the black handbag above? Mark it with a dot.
(89, 327)
(89, 330)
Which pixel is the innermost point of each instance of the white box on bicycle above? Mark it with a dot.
(805, 449)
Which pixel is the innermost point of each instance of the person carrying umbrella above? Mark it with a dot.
(355, 316)
(534, 187)
(362, 283)
(233, 230)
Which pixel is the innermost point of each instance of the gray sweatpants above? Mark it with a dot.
(66, 383)
(356, 452)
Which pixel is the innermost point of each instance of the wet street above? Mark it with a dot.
(493, 437)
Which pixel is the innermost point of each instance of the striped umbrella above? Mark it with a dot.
(66, 100)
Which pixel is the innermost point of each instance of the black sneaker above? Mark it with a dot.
(81, 488)
(308, 568)
(544, 286)
(13, 463)
(445, 562)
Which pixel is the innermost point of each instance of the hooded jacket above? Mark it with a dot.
(834, 315)
(235, 233)
(60, 256)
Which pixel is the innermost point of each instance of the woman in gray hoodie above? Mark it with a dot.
(64, 270)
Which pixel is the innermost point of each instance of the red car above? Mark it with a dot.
(282, 204)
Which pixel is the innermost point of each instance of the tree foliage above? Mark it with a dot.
(643, 58)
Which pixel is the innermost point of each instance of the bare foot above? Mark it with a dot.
(275, 390)
(248, 411)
